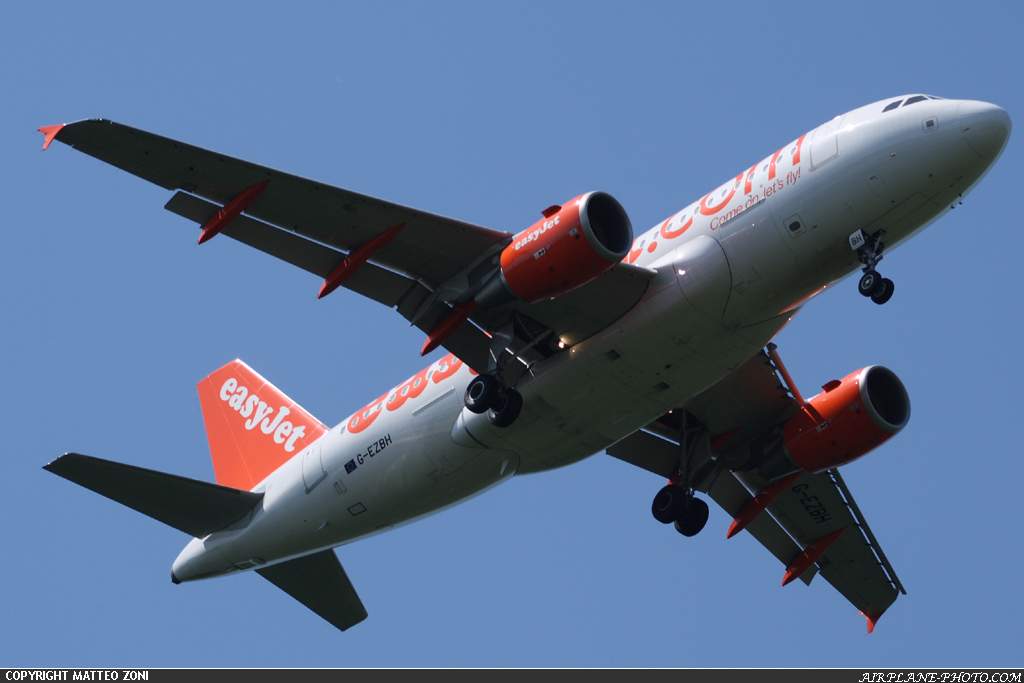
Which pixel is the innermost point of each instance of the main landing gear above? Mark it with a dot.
(487, 394)
(869, 251)
(674, 504)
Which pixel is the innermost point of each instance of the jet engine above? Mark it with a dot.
(850, 418)
(572, 245)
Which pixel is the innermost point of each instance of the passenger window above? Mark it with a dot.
(912, 100)
(892, 106)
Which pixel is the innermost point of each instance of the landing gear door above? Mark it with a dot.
(312, 466)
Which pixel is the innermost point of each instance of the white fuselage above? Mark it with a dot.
(732, 269)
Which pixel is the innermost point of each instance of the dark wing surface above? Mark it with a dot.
(320, 583)
(421, 271)
(744, 406)
(196, 507)
(430, 246)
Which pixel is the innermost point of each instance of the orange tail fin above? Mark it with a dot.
(253, 428)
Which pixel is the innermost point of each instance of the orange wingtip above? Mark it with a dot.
(50, 132)
(872, 621)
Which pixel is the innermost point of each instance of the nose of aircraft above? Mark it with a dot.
(986, 127)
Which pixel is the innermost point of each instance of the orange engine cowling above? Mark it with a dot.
(849, 419)
(571, 246)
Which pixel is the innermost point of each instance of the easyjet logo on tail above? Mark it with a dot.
(270, 420)
(252, 426)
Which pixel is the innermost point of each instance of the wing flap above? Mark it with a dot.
(813, 507)
(298, 251)
(382, 285)
(856, 566)
(649, 452)
(852, 570)
(431, 246)
(731, 495)
(371, 281)
(320, 583)
(196, 507)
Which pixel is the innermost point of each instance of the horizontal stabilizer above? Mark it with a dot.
(319, 582)
(196, 507)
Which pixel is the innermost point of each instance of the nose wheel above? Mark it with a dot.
(878, 288)
(869, 251)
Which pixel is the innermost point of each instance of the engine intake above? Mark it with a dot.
(565, 250)
(848, 420)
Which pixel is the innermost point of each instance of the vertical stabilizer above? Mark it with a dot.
(253, 428)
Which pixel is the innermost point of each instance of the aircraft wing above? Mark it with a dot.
(431, 247)
(817, 505)
(419, 271)
(746, 405)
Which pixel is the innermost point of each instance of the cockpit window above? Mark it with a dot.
(917, 98)
(892, 106)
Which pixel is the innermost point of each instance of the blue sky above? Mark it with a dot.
(487, 112)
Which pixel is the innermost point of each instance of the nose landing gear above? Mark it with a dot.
(873, 285)
(869, 251)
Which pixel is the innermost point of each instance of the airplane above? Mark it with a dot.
(569, 338)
